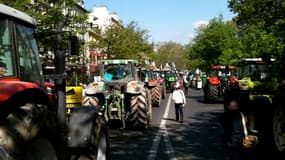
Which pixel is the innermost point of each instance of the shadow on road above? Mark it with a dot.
(201, 139)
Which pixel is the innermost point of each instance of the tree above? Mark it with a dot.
(48, 14)
(126, 42)
(262, 24)
(171, 52)
(216, 43)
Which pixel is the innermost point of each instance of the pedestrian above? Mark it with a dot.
(179, 102)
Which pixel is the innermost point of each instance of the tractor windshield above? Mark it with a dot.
(6, 61)
(258, 72)
(117, 72)
(144, 75)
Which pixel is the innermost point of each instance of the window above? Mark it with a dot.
(30, 70)
(116, 72)
(6, 64)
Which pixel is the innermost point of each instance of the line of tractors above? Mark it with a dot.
(58, 118)
(38, 119)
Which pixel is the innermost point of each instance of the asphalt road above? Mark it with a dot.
(198, 138)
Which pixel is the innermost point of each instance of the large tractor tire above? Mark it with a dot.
(99, 148)
(211, 93)
(279, 127)
(149, 104)
(139, 116)
(156, 96)
(30, 132)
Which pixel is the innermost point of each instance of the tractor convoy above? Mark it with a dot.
(60, 119)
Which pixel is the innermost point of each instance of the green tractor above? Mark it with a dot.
(170, 78)
(120, 95)
(256, 93)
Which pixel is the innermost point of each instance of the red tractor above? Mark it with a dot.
(153, 85)
(220, 79)
(161, 79)
(33, 119)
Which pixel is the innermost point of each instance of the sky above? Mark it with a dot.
(166, 20)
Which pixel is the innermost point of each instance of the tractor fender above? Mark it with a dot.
(34, 95)
(81, 125)
(153, 83)
(134, 87)
(95, 88)
(16, 92)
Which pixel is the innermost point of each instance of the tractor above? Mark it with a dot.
(220, 79)
(161, 79)
(170, 78)
(120, 95)
(261, 97)
(152, 84)
(33, 115)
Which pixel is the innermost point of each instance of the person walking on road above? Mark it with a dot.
(178, 97)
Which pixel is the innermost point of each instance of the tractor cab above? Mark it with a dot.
(258, 74)
(19, 54)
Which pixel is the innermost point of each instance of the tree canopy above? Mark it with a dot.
(125, 42)
(215, 43)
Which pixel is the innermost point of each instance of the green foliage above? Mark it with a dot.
(261, 24)
(169, 52)
(216, 43)
(257, 42)
(126, 42)
(49, 14)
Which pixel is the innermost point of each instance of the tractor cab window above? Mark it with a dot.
(6, 64)
(116, 72)
(258, 72)
(145, 75)
(30, 70)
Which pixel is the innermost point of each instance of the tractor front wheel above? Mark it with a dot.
(156, 96)
(138, 117)
(30, 132)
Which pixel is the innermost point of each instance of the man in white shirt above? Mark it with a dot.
(179, 101)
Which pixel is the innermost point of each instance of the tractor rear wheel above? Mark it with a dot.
(100, 139)
(138, 117)
(212, 93)
(30, 132)
(156, 96)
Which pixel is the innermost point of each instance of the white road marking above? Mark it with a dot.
(162, 133)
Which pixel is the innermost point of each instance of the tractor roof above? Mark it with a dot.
(256, 60)
(119, 61)
(12, 12)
